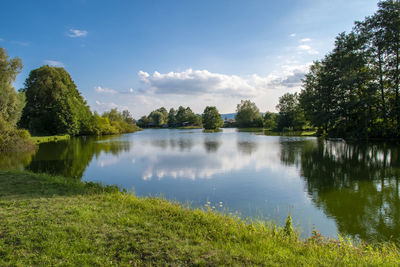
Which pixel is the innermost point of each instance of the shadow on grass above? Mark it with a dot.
(23, 185)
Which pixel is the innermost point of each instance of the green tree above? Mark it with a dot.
(290, 114)
(248, 114)
(54, 104)
(11, 102)
(270, 120)
(11, 105)
(172, 118)
(354, 90)
(211, 118)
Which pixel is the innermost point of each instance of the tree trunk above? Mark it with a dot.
(381, 84)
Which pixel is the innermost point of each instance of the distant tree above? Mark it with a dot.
(198, 120)
(270, 120)
(181, 115)
(128, 117)
(290, 114)
(248, 114)
(211, 118)
(54, 104)
(172, 118)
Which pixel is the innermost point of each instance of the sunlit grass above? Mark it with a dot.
(47, 220)
(52, 138)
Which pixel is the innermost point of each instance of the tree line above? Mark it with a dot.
(354, 90)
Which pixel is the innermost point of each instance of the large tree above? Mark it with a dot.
(11, 102)
(54, 104)
(354, 90)
(211, 118)
(290, 114)
(11, 105)
(248, 114)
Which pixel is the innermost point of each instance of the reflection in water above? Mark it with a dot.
(356, 184)
(212, 142)
(70, 158)
(16, 160)
(246, 146)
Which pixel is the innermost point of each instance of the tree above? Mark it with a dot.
(181, 115)
(11, 105)
(11, 102)
(354, 90)
(54, 104)
(270, 120)
(172, 118)
(290, 113)
(248, 114)
(211, 118)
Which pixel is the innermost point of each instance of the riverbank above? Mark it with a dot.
(48, 220)
(53, 138)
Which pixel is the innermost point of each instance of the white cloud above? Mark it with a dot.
(77, 33)
(204, 82)
(99, 89)
(292, 35)
(53, 63)
(307, 49)
(305, 40)
(193, 82)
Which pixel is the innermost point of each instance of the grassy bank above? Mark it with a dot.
(47, 220)
(45, 139)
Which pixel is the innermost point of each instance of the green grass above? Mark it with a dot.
(190, 127)
(46, 221)
(45, 139)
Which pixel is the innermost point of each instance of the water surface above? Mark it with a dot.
(337, 187)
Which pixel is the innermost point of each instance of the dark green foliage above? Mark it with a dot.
(248, 115)
(211, 118)
(291, 115)
(354, 90)
(162, 118)
(54, 105)
(270, 120)
(172, 118)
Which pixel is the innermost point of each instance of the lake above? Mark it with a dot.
(336, 187)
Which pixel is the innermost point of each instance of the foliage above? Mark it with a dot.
(211, 118)
(248, 115)
(160, 117)
(13, 139)
(11, 105)
(57, 221)
(172, 118)
(11, 102)
(270, 120)
(291, 115)
(54, 105)
(112, 122)
(354, 90)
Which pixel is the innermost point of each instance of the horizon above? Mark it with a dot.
(142, 56)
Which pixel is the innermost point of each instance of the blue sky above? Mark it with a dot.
(141, 55)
